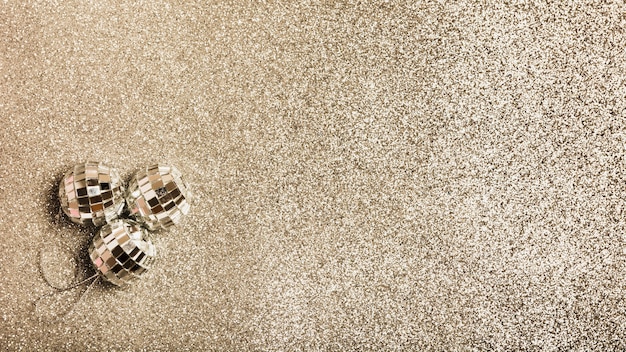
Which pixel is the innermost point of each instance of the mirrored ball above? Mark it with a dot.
(158, 197)
(92, 194)
(121, 252)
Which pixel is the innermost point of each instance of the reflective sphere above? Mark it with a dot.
(120, 252)
(91, 194)
(158, 197)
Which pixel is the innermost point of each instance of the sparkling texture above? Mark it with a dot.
(158, 197)
(366, 176)
(91, 193)
(120, 252)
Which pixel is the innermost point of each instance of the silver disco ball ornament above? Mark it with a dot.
(157, 196)
(91, 194)
(120, 252)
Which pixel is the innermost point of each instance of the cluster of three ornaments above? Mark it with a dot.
(156, 198)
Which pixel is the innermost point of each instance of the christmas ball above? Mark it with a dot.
(120, 252)
(91, 194)
(158, 196)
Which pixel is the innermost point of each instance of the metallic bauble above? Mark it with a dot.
(91, 194)
(158, 196)
(121, 252)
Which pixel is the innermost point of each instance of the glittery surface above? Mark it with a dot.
(367, 176)
(157, 197)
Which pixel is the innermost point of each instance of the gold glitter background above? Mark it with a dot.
(368, 176)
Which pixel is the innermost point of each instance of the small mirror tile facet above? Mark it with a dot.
(157, 196)
(91, 194)
(120, 252)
